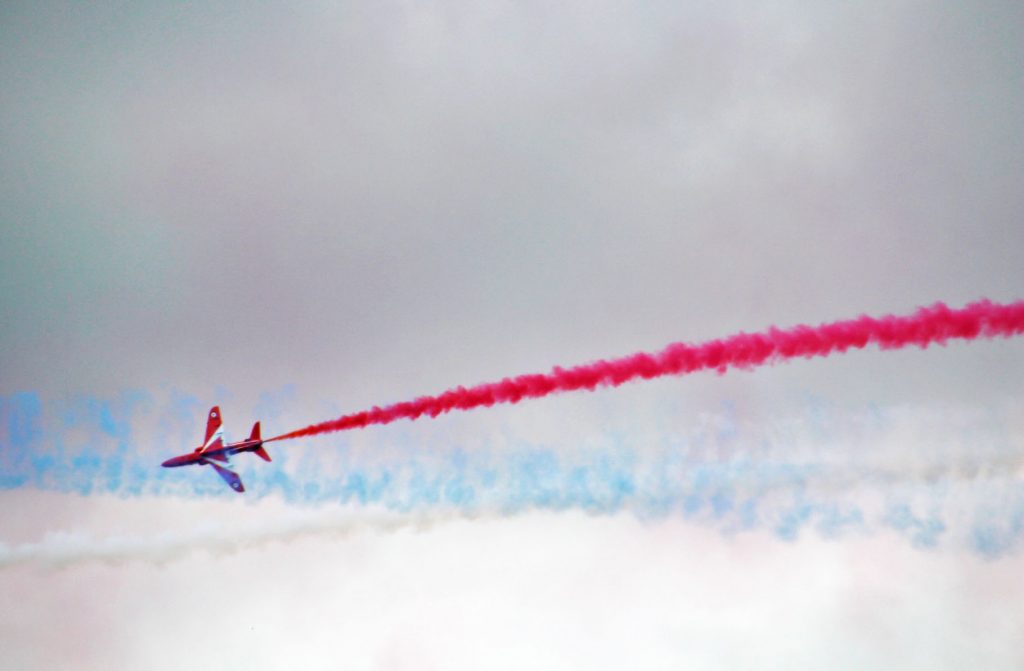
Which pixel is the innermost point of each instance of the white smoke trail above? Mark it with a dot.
(59, 549)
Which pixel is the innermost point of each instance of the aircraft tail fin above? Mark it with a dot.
(255, 435)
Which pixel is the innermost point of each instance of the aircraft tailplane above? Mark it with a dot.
(262, 453)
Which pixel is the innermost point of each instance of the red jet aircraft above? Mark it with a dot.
(214, 450)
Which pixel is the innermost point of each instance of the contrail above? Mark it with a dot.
(935, 324)
(67, 548)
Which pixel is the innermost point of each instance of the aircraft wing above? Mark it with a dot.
(212, 426)
(213, 445)
(229, 476)
(219, 456)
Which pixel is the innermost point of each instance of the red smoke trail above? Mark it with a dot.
(935, 324)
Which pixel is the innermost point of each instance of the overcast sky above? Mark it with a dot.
(300, 210)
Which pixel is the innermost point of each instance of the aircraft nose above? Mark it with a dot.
(171, 463)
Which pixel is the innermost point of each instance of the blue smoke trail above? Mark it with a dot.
(789, 478)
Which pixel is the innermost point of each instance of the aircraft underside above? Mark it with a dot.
(214, 452)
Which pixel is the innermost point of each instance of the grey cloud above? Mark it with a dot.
(529, 183)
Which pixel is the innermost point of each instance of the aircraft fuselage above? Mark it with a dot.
(213, 452)
(200, 458)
